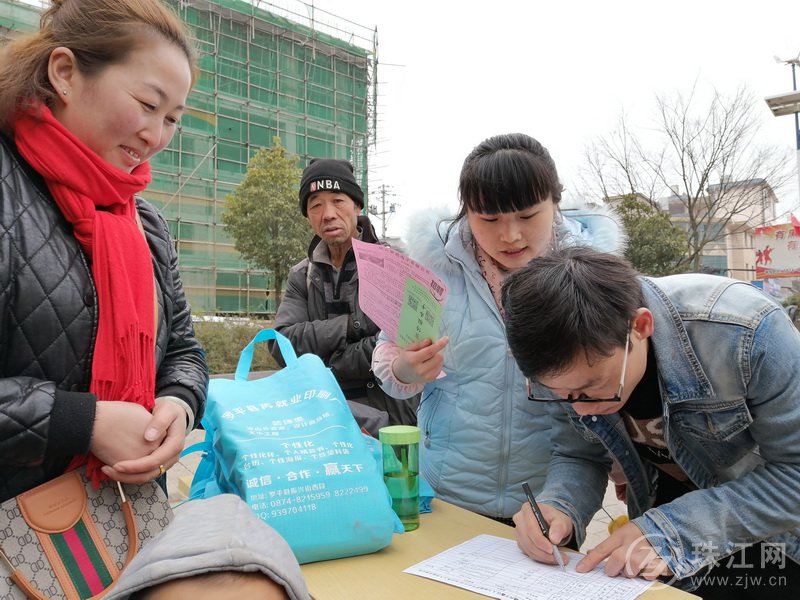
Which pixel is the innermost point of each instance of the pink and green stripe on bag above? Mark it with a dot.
(82, 560)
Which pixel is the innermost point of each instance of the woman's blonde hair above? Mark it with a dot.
(99, 33)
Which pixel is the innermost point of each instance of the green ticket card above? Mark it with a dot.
(420, 315)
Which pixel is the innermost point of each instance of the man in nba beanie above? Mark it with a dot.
(329, 174)
(320, 312)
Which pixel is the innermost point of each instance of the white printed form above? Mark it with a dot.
(496, 567)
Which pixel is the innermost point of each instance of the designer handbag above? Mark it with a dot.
(289, 446)
(64, 539)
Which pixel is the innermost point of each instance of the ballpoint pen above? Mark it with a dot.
(542, 524)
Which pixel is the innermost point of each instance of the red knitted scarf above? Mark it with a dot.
(98, 200)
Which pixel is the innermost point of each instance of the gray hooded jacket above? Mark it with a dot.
(217, 534)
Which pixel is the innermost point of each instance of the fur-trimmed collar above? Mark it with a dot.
(597, 225)
(423, 241)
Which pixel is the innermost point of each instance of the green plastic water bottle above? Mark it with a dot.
(401, 471)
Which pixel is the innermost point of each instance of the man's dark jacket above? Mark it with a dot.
(342, 336)
(48, 325)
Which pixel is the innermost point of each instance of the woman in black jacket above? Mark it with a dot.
(98, 360)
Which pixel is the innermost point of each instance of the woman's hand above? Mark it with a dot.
(134, 444)
(118, 432)
(529, 535)
(420, 362)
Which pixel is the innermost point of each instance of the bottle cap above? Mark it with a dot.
(399, 434)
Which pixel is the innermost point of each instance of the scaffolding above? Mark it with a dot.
(266, 70)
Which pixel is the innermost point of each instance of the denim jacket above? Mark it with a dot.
(728, 360)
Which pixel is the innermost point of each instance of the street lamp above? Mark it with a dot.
(787, 104)
(784, 104)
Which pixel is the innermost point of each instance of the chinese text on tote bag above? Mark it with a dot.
(289, 446)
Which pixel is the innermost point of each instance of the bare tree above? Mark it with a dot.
(704, 156)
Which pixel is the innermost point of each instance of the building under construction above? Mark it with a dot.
(290, 71)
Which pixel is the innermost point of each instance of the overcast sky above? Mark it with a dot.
(561, 71)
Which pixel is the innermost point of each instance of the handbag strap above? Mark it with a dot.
(133, 546)
(203, 446)
(246, 357)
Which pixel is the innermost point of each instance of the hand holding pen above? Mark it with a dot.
(528, 531)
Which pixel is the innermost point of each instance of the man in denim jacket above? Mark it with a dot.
(688, 383)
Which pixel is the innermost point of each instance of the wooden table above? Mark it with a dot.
(380, 575)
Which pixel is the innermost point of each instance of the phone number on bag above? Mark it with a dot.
(362, 489)
(297, 499)
(285, 512)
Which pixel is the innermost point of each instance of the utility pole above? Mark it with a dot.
(385, 213)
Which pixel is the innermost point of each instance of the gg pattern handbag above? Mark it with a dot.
(64, 539)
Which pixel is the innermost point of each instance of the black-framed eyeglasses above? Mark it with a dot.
(583, 397)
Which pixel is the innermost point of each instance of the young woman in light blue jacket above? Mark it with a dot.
(481, 437)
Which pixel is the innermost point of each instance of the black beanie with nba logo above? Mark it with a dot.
(329, 175)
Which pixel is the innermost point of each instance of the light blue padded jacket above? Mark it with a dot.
(481, 436)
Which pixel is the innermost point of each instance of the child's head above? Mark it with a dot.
(509, 190)
(221, 585)
(215, 548)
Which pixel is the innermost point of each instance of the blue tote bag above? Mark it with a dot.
(289, 446)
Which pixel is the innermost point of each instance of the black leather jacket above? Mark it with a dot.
(48, 323)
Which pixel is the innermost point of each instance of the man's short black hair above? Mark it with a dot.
(570, 301)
